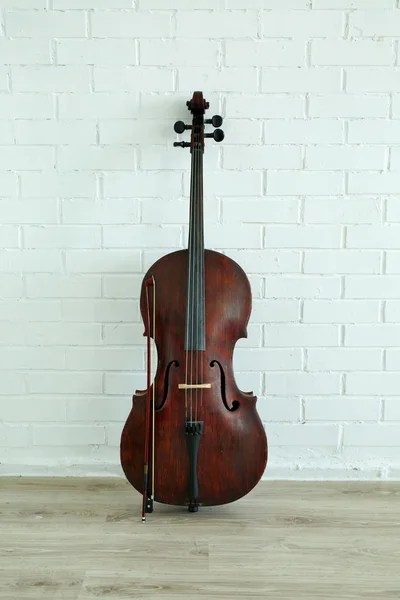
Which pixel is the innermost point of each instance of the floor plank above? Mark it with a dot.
(82, 538)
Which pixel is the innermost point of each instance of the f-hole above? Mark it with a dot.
(235, 403)
(166, 382)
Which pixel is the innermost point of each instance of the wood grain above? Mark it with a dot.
(81, 539)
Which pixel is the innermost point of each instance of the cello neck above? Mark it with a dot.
(195, 308)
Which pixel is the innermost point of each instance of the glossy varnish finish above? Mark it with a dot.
(233, 450)
(82, 539)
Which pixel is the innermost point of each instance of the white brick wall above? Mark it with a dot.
(304, 193)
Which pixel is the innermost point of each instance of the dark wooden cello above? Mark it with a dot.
(193, 438)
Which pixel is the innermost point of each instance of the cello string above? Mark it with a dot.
(189, 289)
(192, 260)
(154, 396)
(202, 282)
(198, 273)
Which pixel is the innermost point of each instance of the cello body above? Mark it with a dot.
(208, 444)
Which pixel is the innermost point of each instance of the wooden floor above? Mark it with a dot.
(80, 539)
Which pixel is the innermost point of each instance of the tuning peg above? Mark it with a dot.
(180, 127)
(217, 134)
(181, 144)
(215, 121)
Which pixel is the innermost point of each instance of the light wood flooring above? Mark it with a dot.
(81, 539)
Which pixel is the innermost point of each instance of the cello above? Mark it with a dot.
(192, 438)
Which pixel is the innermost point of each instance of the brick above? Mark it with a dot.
(148, 185)
(27, 158)
(115, 286)
(304, 435)
(302, 131)
(229, 79)
(342, 210)
(50, 79)
(176, 4)
(236, 236)
(123, 334)
(9, 236)
(8, 184)
(26, 106)
(103, 261)
(279, 409)
(302, 24)
(26, 52)
(132, 79)
(392, 409)
(30, 310)
(243, 131)
(379, 286)
(303, 287)
(64, 286)
(25, 358)
(340, 311)
(344, 359)
(32, 211)
(301, 80)
(61, 237)
(55, 132)
(371, 435)
(342, 409)
(392, 312)
(349, 105)
(270, 311)
(260, 210)
(311, 384)
(266, 261)
(124, 383)
(175, 211)
(375, 23)
(285, 53)
(364, 79)
(352, 3)
(130, 24)
(138, 236)
(39, 409)
(393, 262)
(373, 236)
(97, 4)
(30, 261)
(123, 131)
(373, 384)
(12, 384)
(217, 24)
(99, 359)
(70, 382)
(96, 158)
(106, 409)
(377, 335)
(14, 436)
(300, 335)
(101, 105)
(10, 286)
(267, 359)
(12, 332)
(374, 183)
(393, 210)
(342, 261)
(71, 435)
(100, 311)
(96, 52)
(299, 236)
(268, 4)
(265, 106)
(7, 132)
(64, 185)
(45, 24)
(63, 334)
(26, 4)
(393, 359)
(3, 79)
(345, 158)
(379, 131)
(294, 183)
(117, 210)
(396, 106)
(178, 53)
(351, 52)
